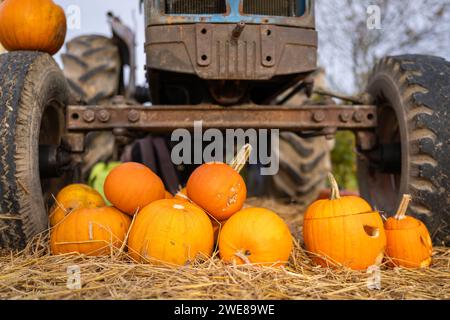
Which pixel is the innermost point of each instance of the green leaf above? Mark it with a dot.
(344, 160)
(98, 176)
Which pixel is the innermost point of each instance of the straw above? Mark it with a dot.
(34, 273)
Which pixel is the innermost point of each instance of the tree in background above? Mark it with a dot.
(348, 50)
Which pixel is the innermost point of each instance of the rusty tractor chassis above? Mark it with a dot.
(167, 118)
(320, 118)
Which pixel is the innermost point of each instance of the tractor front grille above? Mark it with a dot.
(281, 8)
(196, 7)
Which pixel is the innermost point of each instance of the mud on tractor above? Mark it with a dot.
(231, 64)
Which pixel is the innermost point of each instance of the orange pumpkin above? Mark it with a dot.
(218, 189)
(38, 25)
(74, 196)
(181, 195)
(255, 235)
(408, 240)
(92, 232)
(217, 228)
(344, 230)
(171, 231)
(131, 186)
(167, 195)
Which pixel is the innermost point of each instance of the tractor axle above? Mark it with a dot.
(168, 118)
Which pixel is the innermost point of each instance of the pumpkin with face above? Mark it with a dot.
(344, 231)
(408, 240)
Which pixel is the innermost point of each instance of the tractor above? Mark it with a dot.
(230, 64)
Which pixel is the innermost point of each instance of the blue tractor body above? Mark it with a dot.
(297, 13)
(228, 51)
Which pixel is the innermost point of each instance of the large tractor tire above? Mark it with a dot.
(92, 66)
(33, 96)
(304, 165)
(412, 93)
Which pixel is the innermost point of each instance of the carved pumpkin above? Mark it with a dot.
(255, 235)
(131, 186)
(93, 232)
(218, 189)
(408, 240)
(171, 231)
(74, 196)
(344, 230)
(38, 25)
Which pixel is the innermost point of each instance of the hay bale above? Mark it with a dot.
(35, 274)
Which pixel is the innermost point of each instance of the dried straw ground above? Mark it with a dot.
(35, 274)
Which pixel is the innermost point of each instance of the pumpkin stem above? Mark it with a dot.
(335, 194)
(238, 162)
(401, 212)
